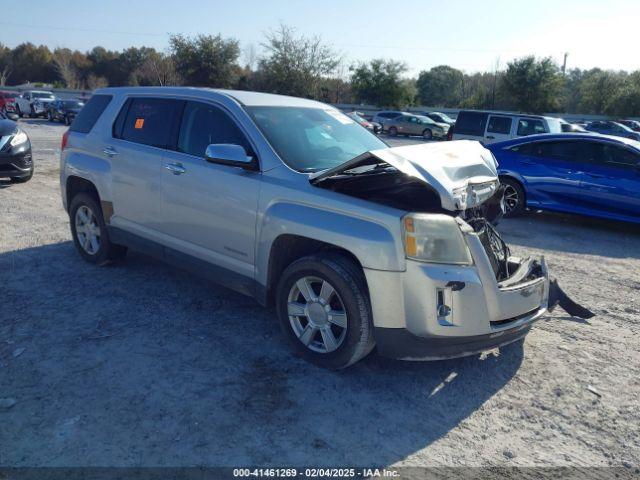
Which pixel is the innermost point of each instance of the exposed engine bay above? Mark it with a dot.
(399, 178)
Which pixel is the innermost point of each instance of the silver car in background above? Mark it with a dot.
(289, 201)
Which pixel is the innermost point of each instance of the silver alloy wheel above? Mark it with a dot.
(511, 198)
(87, 230)
(317, 314)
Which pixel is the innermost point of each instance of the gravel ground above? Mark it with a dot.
(143, 365)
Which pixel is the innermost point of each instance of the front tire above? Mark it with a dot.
(515, 200)
(427, 134)
(89, 231)
(324, 310)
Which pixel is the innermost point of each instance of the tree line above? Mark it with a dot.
(298, 65)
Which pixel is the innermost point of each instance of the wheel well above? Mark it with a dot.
(287, 248)
(76, 185)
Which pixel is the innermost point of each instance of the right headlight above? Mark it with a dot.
(434, 238)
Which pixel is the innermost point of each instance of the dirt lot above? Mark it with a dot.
(143, 365)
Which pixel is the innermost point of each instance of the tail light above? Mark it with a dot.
(65, 138)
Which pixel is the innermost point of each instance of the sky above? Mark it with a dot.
(470, 35)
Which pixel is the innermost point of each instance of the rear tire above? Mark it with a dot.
(89, 231)
(324, 310)
(393, 131)
(515, 200)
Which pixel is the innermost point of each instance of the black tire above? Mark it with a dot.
(49, 117)
(107, 252)
(347, 278)
(18, 111)
(67, 122)
(22, 179)
(393, 131)
(427, 134)
(515, 200)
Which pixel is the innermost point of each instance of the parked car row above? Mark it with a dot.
(428, 125)
(39, 103)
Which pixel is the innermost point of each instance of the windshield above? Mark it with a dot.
(313, 139)
(9, 95)
(426, 120)
(445, 118)
(356, 117)
(42, 95)
(72, 104)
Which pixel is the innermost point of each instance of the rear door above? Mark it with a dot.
(209, 210)
(498, 128)
(143, 130)
(611, 180)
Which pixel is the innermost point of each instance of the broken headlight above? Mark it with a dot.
(434, 238)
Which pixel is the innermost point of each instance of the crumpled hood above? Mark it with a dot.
(463, 173)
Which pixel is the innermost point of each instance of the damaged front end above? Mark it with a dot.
(459, 180)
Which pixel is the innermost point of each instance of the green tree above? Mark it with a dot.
(534, 85)
(295, 65)
(32, 64)
(380, 83)
(5, 64)
(440, 86)
(597, 88)
(206, 60)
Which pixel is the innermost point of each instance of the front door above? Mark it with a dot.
(611, 181)
(209, 210)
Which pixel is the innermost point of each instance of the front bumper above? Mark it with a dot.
(20, 165)
(433, 311)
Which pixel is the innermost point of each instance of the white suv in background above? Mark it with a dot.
(490, 127)
(34, 102)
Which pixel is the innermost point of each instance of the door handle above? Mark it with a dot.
(110, 152)
(175, 168)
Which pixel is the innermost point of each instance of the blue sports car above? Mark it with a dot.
(587, 174)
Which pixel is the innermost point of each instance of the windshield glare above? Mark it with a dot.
(313, 139)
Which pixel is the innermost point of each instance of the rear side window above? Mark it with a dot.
(149, 121)
(499, 125)
(471, 123)
(90, 113)
(530, 126)
(203, 125)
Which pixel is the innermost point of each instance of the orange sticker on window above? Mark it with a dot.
(139, 123)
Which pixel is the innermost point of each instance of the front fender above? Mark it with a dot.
(372, 243)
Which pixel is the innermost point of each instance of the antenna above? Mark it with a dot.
(564, 64)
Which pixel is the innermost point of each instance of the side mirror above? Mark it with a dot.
(229, 154)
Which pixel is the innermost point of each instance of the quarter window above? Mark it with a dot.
(203, 125)
(149, 121)
(530, 126)
(88, 116)
(500, 125)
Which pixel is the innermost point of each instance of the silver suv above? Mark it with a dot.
(293, 203)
